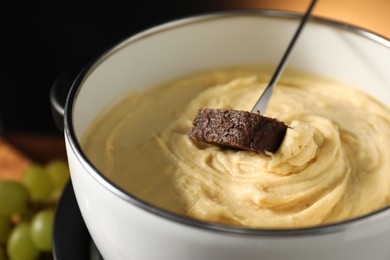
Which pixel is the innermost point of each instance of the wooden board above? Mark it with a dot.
(12, 162)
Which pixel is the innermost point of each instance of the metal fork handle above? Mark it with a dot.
(263, 101)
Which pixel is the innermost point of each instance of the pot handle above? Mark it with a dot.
(59, 93)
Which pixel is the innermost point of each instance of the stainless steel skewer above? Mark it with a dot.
(262, 103)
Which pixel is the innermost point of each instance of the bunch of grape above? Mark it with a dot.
(27, 210)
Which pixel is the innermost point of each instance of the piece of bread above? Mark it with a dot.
(238, 129)
(12, 162)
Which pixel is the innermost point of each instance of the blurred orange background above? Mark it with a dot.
(373, 15)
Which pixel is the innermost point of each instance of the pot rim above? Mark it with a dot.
(203, 225)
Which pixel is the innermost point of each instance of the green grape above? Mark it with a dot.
(14, 198)
(42, 228)
(2, 253)
(5, 228)
(20, 245)
(58, 172)
(38, 183)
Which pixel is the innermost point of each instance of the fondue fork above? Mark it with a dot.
(263, 101)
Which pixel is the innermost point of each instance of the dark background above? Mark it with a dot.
(40, 40)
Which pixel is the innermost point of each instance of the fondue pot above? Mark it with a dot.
(125, 227)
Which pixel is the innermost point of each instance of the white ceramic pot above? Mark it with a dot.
(126, 228)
